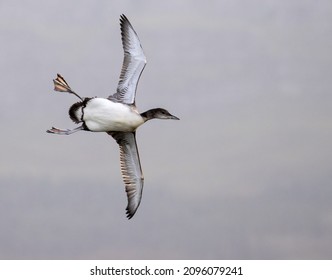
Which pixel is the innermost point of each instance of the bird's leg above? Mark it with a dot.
(59, 131)
(60, 84)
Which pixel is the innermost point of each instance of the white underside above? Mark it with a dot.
(102, 115)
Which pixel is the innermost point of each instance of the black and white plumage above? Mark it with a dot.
(117, 115)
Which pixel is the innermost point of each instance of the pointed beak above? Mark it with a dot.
(174, 118)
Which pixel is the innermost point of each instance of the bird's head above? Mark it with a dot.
(158, 113)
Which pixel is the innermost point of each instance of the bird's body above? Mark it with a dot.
(104, 115)
(117, 115)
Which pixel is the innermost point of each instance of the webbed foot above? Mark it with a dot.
(61, 85)
(59, 131)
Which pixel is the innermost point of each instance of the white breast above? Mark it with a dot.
(103, 115)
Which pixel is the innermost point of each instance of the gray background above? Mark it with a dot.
(245, 174)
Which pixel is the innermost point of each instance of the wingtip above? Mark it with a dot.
(129, 213)
(129, 216)
(123, 18)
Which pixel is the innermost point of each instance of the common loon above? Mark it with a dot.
(117, 115)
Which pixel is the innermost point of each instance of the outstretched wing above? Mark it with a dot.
(133, 64)
(130, 168)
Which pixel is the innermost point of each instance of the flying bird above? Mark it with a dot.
(117, 114)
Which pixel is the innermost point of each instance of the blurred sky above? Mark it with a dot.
(245, 174)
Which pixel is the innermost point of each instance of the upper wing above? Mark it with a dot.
(130, 168)
(133, 64)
